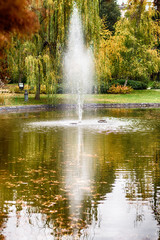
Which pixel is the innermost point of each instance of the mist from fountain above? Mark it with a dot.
(78, 63)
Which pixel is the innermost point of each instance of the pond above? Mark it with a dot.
(92, 180)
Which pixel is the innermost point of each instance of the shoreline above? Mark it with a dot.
(30, 108)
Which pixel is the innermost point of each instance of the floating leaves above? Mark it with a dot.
(64, 189)
(43, 190)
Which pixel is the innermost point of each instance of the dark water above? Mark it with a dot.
(87, 181)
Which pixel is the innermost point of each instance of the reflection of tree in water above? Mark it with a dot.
(34, 176)
(143, 179)
(33, 181)
(156, 177)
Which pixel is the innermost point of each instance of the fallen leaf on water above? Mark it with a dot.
(53, 211)
(52, 171)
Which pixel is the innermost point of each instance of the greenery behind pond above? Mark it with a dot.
(136, 96)
(124, 48)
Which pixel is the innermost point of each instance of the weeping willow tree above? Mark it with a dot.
(39, 60)
(102, 61)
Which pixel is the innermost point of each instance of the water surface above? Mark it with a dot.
(63, 180)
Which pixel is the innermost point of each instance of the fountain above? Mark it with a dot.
(78, 63)
(78, 68)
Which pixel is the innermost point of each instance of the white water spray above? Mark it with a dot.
(78, 63)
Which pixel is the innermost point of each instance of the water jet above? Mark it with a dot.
(78, 63)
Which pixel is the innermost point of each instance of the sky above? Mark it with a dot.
(120, 1)
(125, 1)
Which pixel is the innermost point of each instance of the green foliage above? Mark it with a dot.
(91, 21)
(60, 89)
(104, 87)
(155, 85)
(39, 60)
(102, 61)
(43, 89)
(17, 90)
(131, 53)
(118, 89)
(132, 50)
(16, 57)
(110, 12)
(136, 85)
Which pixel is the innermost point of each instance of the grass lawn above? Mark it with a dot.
(138, 96)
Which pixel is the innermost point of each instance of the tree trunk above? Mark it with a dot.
(37, 96)
(125, 84)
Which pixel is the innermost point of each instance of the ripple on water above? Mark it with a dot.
(107, 125)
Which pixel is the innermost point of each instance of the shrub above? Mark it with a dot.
(43, 89)
(32, 90)
(119, 89)
(155, 85)
(104, 87)
(17, 90)
(59, 89)
(136, 85)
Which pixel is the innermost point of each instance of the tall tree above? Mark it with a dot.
(157, 18)
(15, 16)
(110, 12)
(50, 42)
(136, 35)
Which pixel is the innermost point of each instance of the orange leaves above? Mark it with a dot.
(120, 89)
(59, 198)
(16, 17)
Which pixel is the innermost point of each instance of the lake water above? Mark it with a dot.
(93, 180)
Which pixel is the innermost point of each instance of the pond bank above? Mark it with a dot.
(30, 108)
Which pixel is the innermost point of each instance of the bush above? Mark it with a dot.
(31, 90)
(43, 89)
(17, 90)
(155, 85)
(104, 87)
(136, 85)
(119, 89)
(59, 89)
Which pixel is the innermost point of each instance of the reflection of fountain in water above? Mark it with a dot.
(78, 172)
(78, 63)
